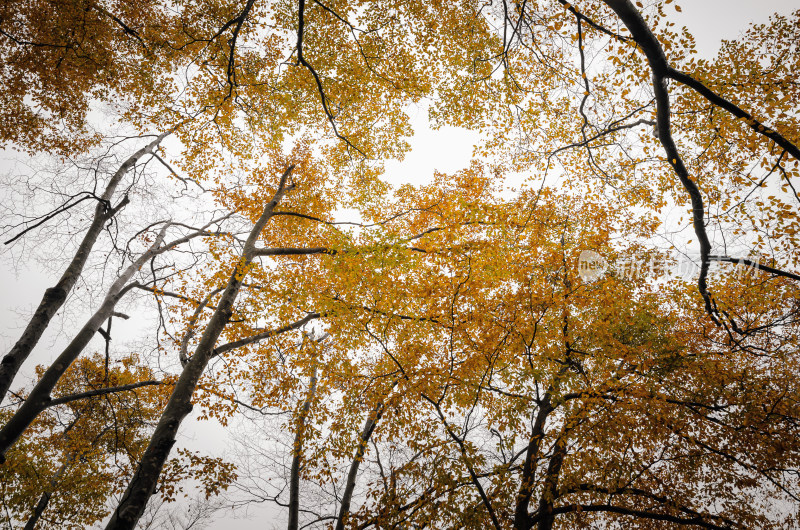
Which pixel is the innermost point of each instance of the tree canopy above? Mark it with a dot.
(594, 324)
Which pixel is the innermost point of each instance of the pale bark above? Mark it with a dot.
(55, 296)
(39, 398)
(183, 355)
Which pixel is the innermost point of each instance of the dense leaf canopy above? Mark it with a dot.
(594, 324)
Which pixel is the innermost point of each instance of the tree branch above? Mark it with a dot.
(323, 98)
(288, 251)
(695, 521)
(267, 334)
(755, 265)
(649, 44)
(100, 392)
(737, 111)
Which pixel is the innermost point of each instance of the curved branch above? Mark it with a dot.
(609, 508)
(649, 44)
(323, 97)
(636, 492)
(734, 109)
(232, 57)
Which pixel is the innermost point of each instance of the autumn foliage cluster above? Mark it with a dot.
(428, 354)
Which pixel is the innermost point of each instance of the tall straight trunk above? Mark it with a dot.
(55, 296)
(350, 486)
(297, 453)
(40, 398)
(145, 479)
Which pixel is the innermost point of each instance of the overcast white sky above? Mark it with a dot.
(445, 150)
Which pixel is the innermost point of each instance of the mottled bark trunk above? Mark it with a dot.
(55, 296)
(39, 398)
(145, 479)
(297, 455)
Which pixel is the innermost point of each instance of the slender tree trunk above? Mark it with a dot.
(363, 439)
(39, 397)
(44, 500)
(145, 479)
(550, 489)
(55, 296)
(297, 450)
(522, 519)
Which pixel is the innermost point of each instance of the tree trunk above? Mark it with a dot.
(145, 479)
(363, 439)
(550, 489)
(39, 397)
(523, 519)
(55, 296)
(297, 450)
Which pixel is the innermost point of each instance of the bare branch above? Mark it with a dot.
(323, 97)
(755, 265)
(100, 392)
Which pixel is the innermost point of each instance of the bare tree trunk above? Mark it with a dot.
(363, 439)
(55, 296)
(145, 479)
(39, 398)
(297, 450)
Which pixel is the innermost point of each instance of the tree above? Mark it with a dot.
(474, 376)
(55, 296)
(79, 450)
(40, 396)
(58, 58)
(545, 398)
